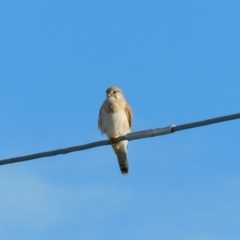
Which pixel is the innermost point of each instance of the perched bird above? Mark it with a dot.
(115, 119)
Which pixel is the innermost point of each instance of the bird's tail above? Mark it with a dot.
(123, 162)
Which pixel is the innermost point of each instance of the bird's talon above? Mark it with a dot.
(112, 139)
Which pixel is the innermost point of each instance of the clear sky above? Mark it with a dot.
(177, 62)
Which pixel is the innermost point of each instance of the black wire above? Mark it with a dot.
(53, 153)
(205, 122)
(131, 136)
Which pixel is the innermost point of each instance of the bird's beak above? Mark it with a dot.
(109, 94)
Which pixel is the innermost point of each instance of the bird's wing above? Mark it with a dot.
(100, 118)
(129, 114)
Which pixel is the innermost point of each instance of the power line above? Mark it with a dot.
(129, 137)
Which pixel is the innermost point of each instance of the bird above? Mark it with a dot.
(115, 120)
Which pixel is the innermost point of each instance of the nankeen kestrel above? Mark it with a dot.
(115, 119)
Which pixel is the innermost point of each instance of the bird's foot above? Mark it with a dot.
(112, 138)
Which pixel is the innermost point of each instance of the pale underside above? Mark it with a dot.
(115, 120)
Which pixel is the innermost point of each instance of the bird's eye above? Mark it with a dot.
(114, 92)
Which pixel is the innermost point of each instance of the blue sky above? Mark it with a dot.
(177, 62)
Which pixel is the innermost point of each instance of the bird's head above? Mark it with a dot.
(114, 92)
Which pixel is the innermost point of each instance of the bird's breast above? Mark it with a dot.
(115, 123)
(113, 108)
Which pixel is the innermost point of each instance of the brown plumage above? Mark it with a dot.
(115, 119)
